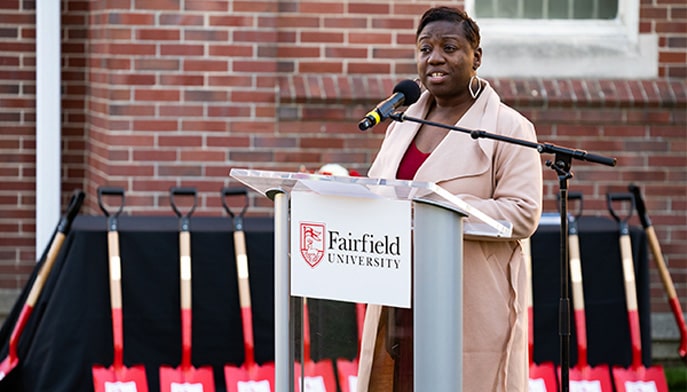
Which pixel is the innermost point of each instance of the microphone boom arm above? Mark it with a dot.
(540, 147)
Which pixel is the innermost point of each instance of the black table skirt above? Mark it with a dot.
(70, 329)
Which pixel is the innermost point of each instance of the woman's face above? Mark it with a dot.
(445, 59)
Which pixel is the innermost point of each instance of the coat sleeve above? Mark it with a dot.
(515, 193)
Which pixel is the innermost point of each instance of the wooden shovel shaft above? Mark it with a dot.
(631, 299)
(115, 272)
(669, 288)
(244, 296)
(662, 269)
(35, 292)
(578, 299)
(185, 289)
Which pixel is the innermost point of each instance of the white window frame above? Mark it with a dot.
(568, 48)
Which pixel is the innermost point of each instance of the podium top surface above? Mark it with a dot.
(267, 182)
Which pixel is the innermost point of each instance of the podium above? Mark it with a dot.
(436, 228)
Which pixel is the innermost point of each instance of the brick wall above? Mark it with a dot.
(160, 93)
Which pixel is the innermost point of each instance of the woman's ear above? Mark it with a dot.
(477, 59)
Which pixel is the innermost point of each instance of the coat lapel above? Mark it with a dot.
(458, 155)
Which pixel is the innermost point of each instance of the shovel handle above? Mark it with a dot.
(111, 191)
(185, 290)
(237, 217)
(662, 268)
(578, 298)
(115, 273)
(611, 198)
(176, 191)
(631, 299)
(242, 271)
(63, 227)
(242, 274)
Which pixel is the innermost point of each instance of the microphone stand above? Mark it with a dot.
(562, 164)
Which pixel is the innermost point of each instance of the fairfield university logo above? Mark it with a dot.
(312, 242)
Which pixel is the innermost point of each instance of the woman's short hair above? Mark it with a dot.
(451, 14)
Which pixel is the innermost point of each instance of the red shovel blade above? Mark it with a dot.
(254, 379)
(7, 365)
(348, 374)
(124, 379)
(317, 376)
(640, 379)
(542, 378)
(590, 379)
(189, 379)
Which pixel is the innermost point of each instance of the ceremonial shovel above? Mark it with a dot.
(637, 378)
(185, 378)
(63, 226)
(250, 377)
(583, 377)
(117, 377)
(662, 269)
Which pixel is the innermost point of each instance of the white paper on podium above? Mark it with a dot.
(337, 255)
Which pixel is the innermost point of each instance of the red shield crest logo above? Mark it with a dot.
(312, 242)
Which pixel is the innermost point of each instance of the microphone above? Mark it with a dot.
(405, 93)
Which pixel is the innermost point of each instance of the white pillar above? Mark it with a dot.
(48, 121)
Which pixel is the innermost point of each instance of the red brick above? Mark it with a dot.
(370, 38)
(179, 141)
(205, 65)
(157, 5)
(158, 34)
(320, 67)
(156, 95)
(183, 19)
(368, 68)
(255, 6)
(368, 8)
(200, 125)
(202, 156)
(343, 22)
(321, 8)
(298, 52)
(181, 50)
(156, 125)
(254, 36)
(205, 35)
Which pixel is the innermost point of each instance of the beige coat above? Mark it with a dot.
(504, 181)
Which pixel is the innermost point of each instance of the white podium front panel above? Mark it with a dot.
(351, 249)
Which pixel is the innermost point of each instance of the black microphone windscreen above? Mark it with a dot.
(409, 89)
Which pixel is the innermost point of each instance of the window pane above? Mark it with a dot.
(534, 9)
(608, 9)
(485, 8)
(584, 9)
(558, 9)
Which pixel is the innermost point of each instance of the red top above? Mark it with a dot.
(412, 160)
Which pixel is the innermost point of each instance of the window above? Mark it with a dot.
(548, 9)
(564, 38)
